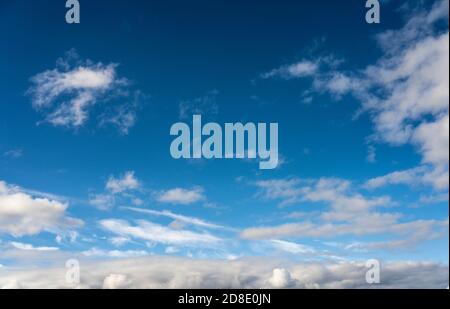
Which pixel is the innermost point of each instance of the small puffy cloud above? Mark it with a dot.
(84, 84)
(127, 182)
(116, 281)
(119, 240)
(302, 68)
(403, 234)
(102, 201)
(181, 196)
(117, 190)
(281, 278)
(22, 214)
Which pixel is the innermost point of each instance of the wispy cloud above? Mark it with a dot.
(405, 90)
(205, 105)
(183, 219)
(181, 196)
(149, 231)
(302, 68)
(99, 253)
(13, 153)
(127, 182)
(29, 247)
(67, 93)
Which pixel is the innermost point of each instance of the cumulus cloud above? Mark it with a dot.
(67, 94)
(116, 281)
(281, 278)
(172, 272)
(127, 182)
(181, 196)
(117, 190)
(23, 214)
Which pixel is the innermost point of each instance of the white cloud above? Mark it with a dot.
(127, 182)
(13, 153)
(102, 201)
(153, 232)
(117, 190)
(347, 212)
(116, 281)
(406, 91)
(281, 278)
(67, 93)
(181, 196)
(171, 272)
(408, 177)
(337, 192)
(178, 218)
(292, 247)
(99, 253)
(84, 84)
(29, 247)
(411, 232)
(22, 214)
(302, 68)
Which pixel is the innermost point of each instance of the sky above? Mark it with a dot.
(85, 165)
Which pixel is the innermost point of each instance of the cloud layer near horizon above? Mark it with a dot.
(170, 272)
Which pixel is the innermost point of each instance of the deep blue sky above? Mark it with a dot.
(178, 51)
